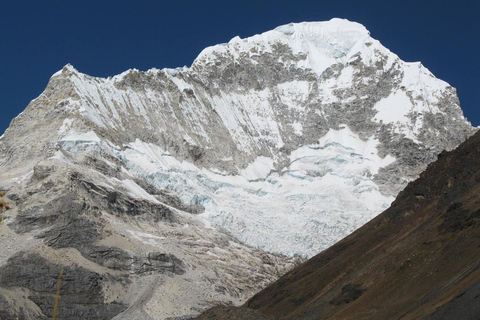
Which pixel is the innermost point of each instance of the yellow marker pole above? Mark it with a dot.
(1, 218)
(58, 294)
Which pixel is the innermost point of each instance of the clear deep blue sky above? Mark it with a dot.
(104, 38)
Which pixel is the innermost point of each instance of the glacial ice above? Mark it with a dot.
(324, 193)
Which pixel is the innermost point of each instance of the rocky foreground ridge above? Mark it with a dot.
(161, 193)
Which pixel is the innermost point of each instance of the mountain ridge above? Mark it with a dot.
(227, 171)
(249, 108)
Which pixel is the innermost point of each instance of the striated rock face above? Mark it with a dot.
(176, 189)
(134, 256)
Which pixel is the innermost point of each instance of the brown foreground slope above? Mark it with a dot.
(419, 259)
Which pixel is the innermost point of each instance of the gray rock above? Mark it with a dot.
(81, 290)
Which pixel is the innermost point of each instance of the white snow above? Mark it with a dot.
(66, 127)
(394, 108)
(325, 42)
(136, 191)
(297, 128)
(294, 93)
(146, 238)
(337, 144)
(259, 169)
(79, 136)
(151, 158)
(248, 115)
(181, 84)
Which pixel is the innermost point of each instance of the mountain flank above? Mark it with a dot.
(419, 259)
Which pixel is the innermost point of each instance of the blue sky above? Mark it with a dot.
(104, 38)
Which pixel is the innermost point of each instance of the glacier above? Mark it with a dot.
(325, 191)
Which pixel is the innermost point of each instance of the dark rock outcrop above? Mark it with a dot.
(81, 289)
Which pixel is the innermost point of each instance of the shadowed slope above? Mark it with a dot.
(418, 259)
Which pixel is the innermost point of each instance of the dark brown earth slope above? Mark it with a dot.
(418, 259)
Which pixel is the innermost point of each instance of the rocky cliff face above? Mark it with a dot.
(141, 255)
(283, 143)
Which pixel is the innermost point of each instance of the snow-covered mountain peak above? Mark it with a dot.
(270, 117)
(66, 71)
(287, 141)
(317, 44)
(336, 31)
